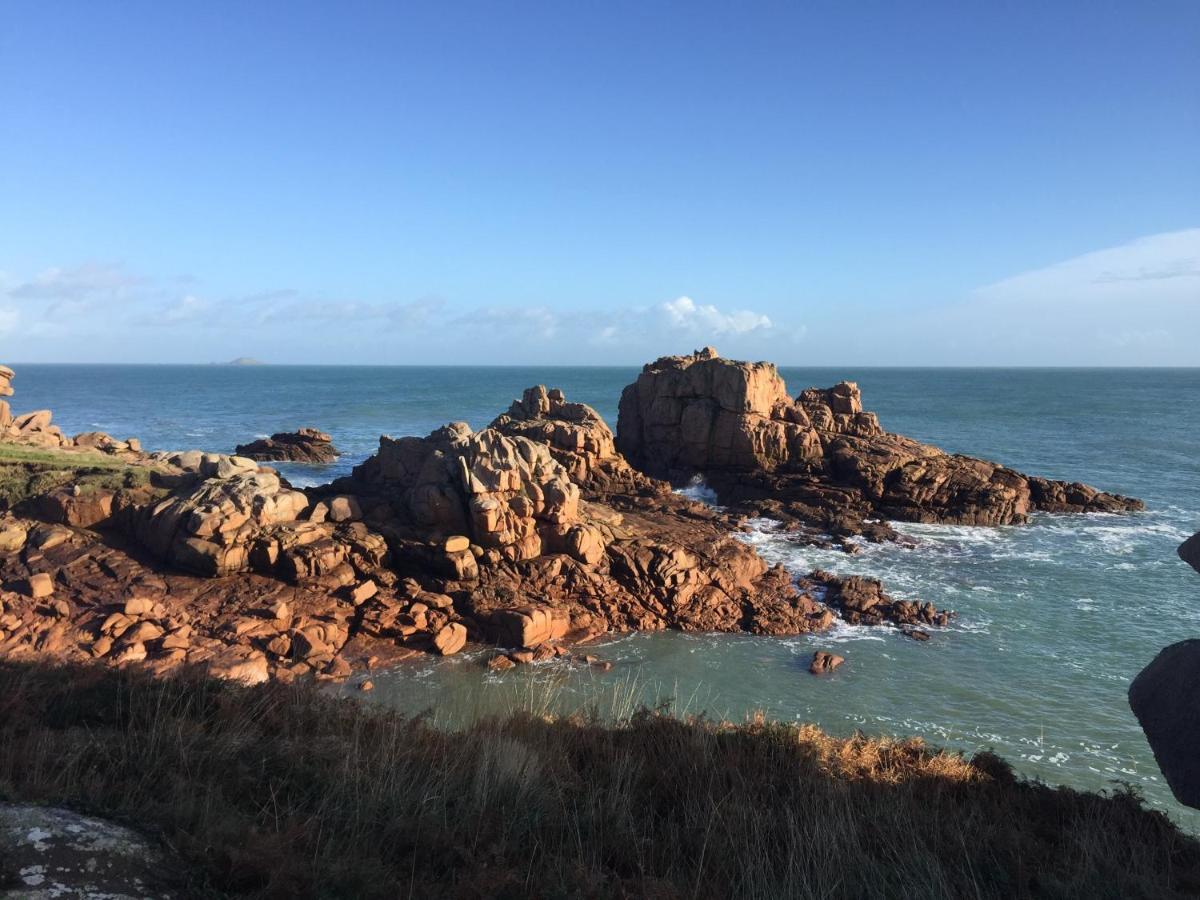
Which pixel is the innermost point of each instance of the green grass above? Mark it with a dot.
(58, 459)
(288, 791)
(28, 472)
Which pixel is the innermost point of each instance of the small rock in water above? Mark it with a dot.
(500, 664)
(823, 662)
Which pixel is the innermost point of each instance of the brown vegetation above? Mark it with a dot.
(286, 791)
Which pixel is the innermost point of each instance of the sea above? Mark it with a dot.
(1054, 618)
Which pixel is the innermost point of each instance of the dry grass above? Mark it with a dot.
(288, 792)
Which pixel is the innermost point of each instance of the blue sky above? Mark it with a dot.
(813, 183)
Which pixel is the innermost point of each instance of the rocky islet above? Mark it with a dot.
(304, 445)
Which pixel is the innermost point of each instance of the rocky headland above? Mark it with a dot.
(533, 535)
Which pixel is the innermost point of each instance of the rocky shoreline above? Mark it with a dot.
(532, 536)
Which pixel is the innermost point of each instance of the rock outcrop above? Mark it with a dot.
(305, 445)
(580, 440)
(1165, 697)
(817, 459)
(37, 428)
(500, 517)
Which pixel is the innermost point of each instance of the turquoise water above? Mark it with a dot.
(1054, 618)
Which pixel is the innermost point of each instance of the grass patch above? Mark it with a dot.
(27, 472)
(287, 791)
(60, 459)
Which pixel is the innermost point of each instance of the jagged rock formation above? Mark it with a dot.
(508, 495)
(579, 439)
(818, 458)
(1165, 697)
(501, 514)
(306, 445)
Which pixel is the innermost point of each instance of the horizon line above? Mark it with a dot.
(534, 365)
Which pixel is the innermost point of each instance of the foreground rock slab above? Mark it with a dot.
(46, 852)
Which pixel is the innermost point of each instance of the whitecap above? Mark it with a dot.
(697, 489)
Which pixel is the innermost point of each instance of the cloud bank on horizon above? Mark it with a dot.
(1133, 304)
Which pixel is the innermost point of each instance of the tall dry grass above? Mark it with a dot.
(284, 791)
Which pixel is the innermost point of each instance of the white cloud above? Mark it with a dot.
(76, 283)
(186, 309)
(1160, 267)
(607, 335)
(95, 311)
(685, 314)
(510, 322)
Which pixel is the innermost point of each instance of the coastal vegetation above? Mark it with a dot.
(289, 791)
(28, 472)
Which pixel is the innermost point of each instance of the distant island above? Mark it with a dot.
(244, 361)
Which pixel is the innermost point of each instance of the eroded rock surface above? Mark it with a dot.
(817, 459)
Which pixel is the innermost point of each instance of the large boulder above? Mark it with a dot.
(210, 529)
(1165, 697)
(700, 412)
(509, 495)
(818, 457)
(1189, 551)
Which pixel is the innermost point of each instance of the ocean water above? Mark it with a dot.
(1054, 618)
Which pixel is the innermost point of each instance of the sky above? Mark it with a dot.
(814, 183)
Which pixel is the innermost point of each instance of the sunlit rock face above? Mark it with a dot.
(819, 453)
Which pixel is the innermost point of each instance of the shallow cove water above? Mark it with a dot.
(1054, 618)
